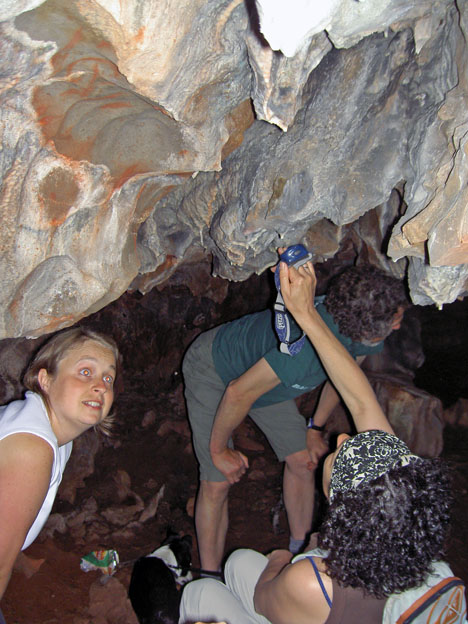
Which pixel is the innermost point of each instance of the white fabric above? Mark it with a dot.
(315, 552)
(452, 603)
(30, 416)
(208, 600)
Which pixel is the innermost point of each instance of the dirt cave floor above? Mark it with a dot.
(60, 592)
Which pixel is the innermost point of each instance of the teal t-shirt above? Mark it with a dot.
(238, 345)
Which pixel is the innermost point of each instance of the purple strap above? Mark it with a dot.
(317, 574)
(283, 326)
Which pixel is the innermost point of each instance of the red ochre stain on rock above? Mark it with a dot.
(116, 105)
(57, 194)
(59, 59)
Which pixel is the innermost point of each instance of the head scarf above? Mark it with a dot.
(365, 457)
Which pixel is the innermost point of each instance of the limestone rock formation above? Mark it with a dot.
(136, 141)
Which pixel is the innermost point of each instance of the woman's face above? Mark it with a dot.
(81, 392)
(329, 461)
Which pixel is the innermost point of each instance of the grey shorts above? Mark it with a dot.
(281, 423)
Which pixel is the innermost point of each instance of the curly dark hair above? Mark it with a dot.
(382, 537)
(363, 301)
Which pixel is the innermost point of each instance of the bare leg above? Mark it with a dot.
(298, 494)
(211, 521)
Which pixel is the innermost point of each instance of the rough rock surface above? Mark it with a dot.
(133, 141)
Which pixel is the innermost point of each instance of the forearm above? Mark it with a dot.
(329, 399)
(346, 375)
(231, 413)
(237, 400)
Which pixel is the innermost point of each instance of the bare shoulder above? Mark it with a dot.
(26, 449)
(25, 471)
(306, 590)
(294, 595)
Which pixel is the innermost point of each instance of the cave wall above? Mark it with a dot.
(135, 141)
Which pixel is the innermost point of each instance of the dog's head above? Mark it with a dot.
(176, 552)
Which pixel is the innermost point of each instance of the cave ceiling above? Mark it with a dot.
(138, 136)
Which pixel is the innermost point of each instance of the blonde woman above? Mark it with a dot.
(70, 389)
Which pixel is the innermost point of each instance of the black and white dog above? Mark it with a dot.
(153, 586)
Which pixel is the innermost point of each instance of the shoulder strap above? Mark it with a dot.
(440, 598)
(319, 579)
(453, 610)
(283, 325)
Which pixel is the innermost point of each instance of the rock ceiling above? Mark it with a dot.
(138, 135)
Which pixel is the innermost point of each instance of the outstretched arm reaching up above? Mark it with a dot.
(298, 289)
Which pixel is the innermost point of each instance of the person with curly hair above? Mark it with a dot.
(237, 370)
(365, 302)
(70, 388)
(386, 522)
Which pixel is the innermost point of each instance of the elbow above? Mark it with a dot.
(235, 395)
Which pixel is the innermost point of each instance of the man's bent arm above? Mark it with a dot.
(237, 400)
(329, 399)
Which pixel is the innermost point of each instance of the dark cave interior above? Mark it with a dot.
(153, 331)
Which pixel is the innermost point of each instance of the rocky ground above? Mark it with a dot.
(159, 460)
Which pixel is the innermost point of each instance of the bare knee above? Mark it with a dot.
(214, 491)
(299, 464)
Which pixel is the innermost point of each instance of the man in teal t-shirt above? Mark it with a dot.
(237, 369)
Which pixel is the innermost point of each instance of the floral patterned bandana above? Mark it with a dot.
(365, 457)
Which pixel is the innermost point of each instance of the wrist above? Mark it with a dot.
(311, 425)
(306, 316)
(217, 449)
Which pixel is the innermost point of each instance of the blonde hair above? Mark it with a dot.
(55, 349)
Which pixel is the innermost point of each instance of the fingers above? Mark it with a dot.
(244, 465)
(280, 250)
(233, 464)
(236, 476)
(307, 269)
(293, 279)
(284, 277)
(233, 476)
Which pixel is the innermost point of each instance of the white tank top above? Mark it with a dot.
(30, 416)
